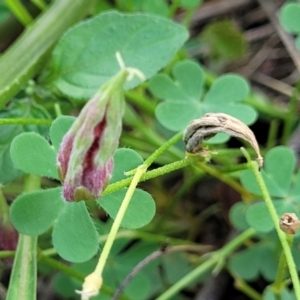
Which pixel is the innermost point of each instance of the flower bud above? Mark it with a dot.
(85, 157)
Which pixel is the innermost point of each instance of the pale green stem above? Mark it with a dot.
(23, 280)
(225, 178)
(246, 289)
(20, 12)
(281, 270)
(118, 220)
(41, 4)
(19, 121)
(214, 260)
(282, 236)
(57, 109)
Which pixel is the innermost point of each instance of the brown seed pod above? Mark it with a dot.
(212, 123)
(289, 223)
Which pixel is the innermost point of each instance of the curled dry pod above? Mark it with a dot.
(212, 123)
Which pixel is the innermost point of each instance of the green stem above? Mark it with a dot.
(277, 285)
(120, 215)
(246, 289)
(273, 131)
(214, 260)
(281, 270)
(23, 280)
(24, 58)
(20, 121)
(150, 174)
(282, 236)
(41, 4)
(234, 184)
(20, 12)
(290, 120)
(71, 272)
(141, 100)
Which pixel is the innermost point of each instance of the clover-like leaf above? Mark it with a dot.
(290, 17)
(139, 213)
(277, 173)
(124, 160)
(59, 128)
(35, 212)
(237, 215)
(259, 218)
(249, 263)
(183, 100)
(246, 263)
(74, 236)
(32, 154)
(24, 108)
(82, 63)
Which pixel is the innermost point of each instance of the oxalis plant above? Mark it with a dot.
(71, 168)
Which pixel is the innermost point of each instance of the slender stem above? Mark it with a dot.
(41, 4)
(247, 289)
(23, 280)
(149, 175)
(290, 120)
(116, 225)
(20, 12)
(281, 269)
(214, 260)
(4, 208)
(273, 131)
(231, 182)
(20, 121)
(141, 100)
(282, 236)
(24, 58)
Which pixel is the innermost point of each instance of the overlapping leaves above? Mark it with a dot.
(282, 184)
(74, 234)
(290, 20)
(81, 62)
(184, 100)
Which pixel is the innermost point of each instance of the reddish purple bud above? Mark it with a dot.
(85, 158)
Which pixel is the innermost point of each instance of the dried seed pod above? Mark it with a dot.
(289, 223)
(212, 123)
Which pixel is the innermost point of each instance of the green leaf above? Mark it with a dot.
(225, 40)
(237, 215)
(269, 262)
(277, 174)
(259, 218)
(176, 266)
(24, 108)
(246, 263)
(183, 101)
(35, 212)
(227, 87)
(75, 237)
(32, 154)
(59, 128)
(124, 160)
(290, 17)
(146, 42)
(284, 293)
(294, 194)
(139, 213)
